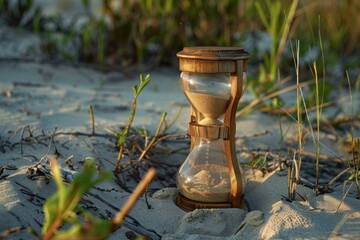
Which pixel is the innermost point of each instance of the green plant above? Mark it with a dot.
(318, 117)
(151, 32)
(295, 165)
(137, 28)
(13, 14)
(315, 137)
(260, 163)
(125, 132)
(339, 25)
(319, 100)
(278, 28)
(319, 93)
(133, 148)
(62, 207)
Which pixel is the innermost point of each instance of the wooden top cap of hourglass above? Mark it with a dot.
(211, 59)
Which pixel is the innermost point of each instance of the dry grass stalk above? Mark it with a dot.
(277, 93)
(293, 178)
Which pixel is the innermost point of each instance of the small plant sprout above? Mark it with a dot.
(92, 119)
(125, 132)
(301, 98)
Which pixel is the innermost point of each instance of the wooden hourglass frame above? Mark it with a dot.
(217, 60)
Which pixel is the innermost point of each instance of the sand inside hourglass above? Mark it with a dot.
(211, 106)
(210, 183)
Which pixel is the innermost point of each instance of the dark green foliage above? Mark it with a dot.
(148, 32)
(14, 12)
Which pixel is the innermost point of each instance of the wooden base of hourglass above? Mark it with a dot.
(189, 205)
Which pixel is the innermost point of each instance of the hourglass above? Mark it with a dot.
(213, 80)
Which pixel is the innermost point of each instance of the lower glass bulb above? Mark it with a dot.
(205, 175)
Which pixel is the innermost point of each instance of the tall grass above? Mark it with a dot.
(354, 159)
(298, 162)
(298, 104)
(277, 26)
(151, 32)
(315, 136)
(317, 140)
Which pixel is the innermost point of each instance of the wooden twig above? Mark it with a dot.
(49, 148)
(256, 134)
(321, 156)
(344, 196)
(259, 100)
(9, 231)
(149, 176)
(76, 133)
(129, 221)
(332, 181)
(342, 120)
(153, 140)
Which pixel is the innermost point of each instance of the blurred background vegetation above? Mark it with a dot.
(148, 33)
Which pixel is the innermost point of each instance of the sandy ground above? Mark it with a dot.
(46, 97)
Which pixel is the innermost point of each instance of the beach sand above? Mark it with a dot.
(41, 103)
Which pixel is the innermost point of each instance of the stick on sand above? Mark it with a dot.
(140, 188)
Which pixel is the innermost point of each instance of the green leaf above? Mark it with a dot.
(94, 228)
(121, 139)
(100, 228)
(135, 89)
(60, 206)
(75, 231)
(169, 5)
(102, 177)
(62, 192)
(50, 212)
(140, 131)
(71, 217)
(143, 82)
(262, 15)
(352, 176)
(85, 3)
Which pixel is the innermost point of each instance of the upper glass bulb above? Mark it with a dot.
(209, 94)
